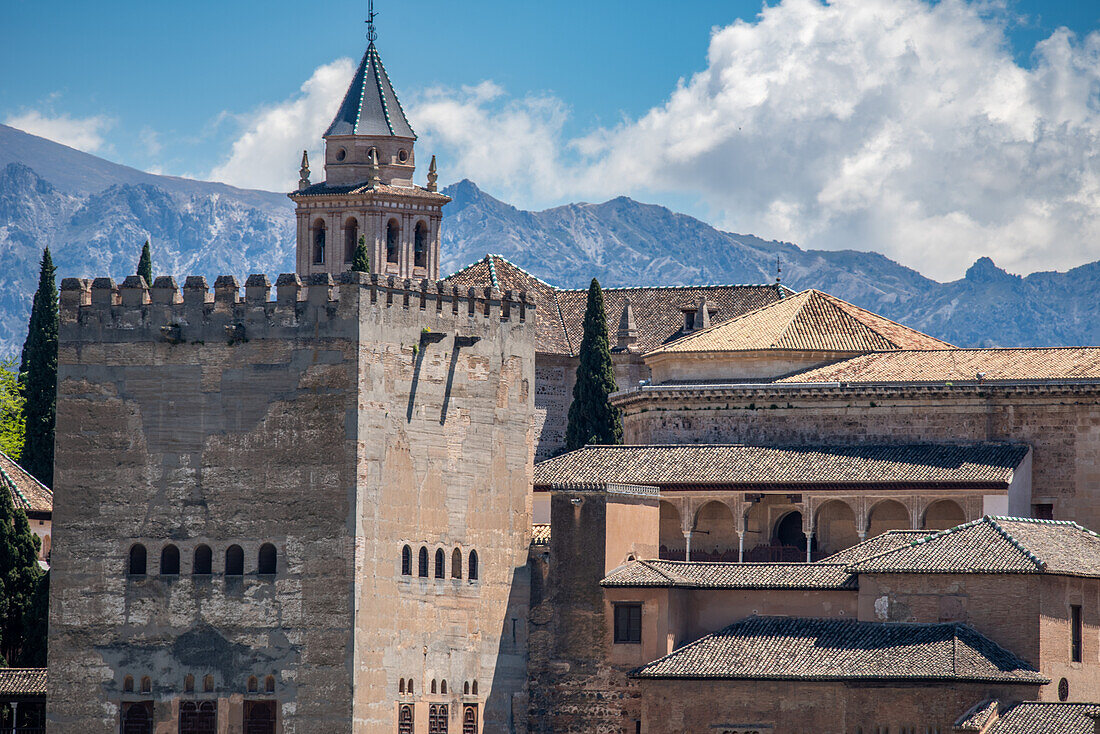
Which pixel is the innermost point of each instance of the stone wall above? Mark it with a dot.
(337, 423)
(1061, 423)
(794, 707)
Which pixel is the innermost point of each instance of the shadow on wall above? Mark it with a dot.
(502, 705)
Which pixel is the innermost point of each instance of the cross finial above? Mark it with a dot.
(371, 33)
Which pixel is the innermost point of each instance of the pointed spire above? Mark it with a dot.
(370, 106)
(375, 174)
(303, 172)
(432, 176)
(628, 329)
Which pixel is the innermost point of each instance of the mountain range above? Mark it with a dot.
(94, 215)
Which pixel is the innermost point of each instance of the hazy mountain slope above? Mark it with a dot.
(94, 215)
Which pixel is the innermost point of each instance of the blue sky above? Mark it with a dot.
(183, 89)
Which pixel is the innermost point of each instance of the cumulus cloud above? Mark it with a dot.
(82, 133)
(895, 125)
(902, 126)
(268, 151)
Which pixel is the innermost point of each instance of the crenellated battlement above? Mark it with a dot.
(171, 311)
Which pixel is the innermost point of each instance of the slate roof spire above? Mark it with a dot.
(371, 106)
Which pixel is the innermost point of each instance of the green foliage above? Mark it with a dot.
(36, 620)
(38, 374)
(145, 264)
(360, 262)
(592, 418)
(11, 409)
(20, 577)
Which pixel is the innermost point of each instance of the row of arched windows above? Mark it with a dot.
(438, 722)
(393, 241)
(202, 560)
(405, 687)
(440, 563)
(253, 685)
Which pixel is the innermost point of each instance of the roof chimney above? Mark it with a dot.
(628, 330)
(702, 314)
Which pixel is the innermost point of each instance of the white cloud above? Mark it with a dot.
(82, 133)
(902, 126)
(895, 125)
(267, 153)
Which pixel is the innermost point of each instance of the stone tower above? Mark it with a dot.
(307, 514)
(368, 189)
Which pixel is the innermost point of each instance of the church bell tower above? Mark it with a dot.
(368, 192)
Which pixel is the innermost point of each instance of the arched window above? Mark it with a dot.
(434, 686)
(456, 564)
(466, 688)
(423, 562)
(443, 687)
(440, 564)
(208, 683)
(319, 242)
(128, 684)
(234, 561)
(170, 561)
(437, 718)
(203, 561)
(401, 686)
(137, 560)
(420, 245)
(188, 683)
(393, 235)
(405, 720)
(137, 717)
(475, 688)
(267, 560)
(471, 572)
(253, 684)
(409, 686)
(269, 684)
(469, 719)
(146, 685)
(406, 561)
(351, 238)
(259, 717)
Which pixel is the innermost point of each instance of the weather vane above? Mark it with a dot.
(371, 33)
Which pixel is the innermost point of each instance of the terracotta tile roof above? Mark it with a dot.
(658, 311)
(961, 365)
(978, 717)
(686, 464)
(791, 648)
(810, 320)
(540, 533)
(995, 545)
(28, 494)
(707, 575)
(1035, 717)
(890, 540)
(22, 681)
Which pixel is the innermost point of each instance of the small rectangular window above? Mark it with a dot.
(1075, 642)
(628, 623)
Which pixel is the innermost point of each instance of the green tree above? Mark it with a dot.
(36, 619)
(145, 264)
(592, 418)
(20, 575)
(38, 373)
(11, 409)
(360, 262)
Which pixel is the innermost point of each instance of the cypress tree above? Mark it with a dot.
(145, 264)
(592, 418)
(360, 262)
(20, 575)
(38, 373)
(36, 621)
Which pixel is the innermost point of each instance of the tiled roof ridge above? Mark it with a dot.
(490, 256)
(670, 577)
(14, 486)
(985, 519)
(750, 564)
(385, 108)
(789, 294)
(695, 335)
(859, 309)
(815, 447)
(493, 274)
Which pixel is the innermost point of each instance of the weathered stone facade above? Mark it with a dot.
(339, 423)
